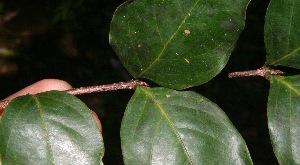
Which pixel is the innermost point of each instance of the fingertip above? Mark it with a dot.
(51, 84)
(42, 86)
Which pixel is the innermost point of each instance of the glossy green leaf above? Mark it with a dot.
(176, 43)
(282, 33)
(164, 126)
(49, 128)
(284, 118)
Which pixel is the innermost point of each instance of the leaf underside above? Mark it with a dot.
(175, 43)
(163, 126)
(284, 118)
(49, 128)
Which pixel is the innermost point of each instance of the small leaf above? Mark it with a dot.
(284, 118)
(49, 128)
(282, 33)
(176, 43)
(163, 126)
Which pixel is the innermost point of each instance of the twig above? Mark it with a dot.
(109, 87)
(91, 89)
(263, 71)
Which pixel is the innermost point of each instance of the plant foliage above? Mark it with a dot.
(49, 128)
(176, 44)
(163, 126)
(283, 47)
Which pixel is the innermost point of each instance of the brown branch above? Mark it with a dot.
(109, 87)
(91, 89)
(263, 71)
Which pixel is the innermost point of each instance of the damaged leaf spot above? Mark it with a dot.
(187, 32)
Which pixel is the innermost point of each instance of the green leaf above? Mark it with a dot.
(282, 33)
(284, 118)
(176, 43)
(164, 126)
(49, 128)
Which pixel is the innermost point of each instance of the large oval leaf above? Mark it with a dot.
(176, 43)
(163, 126)
(284, 118)
(49, 128)
(282, 33)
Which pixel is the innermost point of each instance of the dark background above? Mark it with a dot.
(68, 40)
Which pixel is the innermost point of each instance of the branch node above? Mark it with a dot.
(263, 72)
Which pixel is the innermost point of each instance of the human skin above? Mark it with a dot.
(48, 85)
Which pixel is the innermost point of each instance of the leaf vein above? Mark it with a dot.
(45, 126)
(289, 86)
(168, 42)
(207, 134)
(137, 123)
(203, 112)
(159, 106)
(16, 121)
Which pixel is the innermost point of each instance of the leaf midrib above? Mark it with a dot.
(168, 42)
(159, 106)
(285, 56)
(297, 92)
(38, 104)
(288, 41)
(288, 85)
